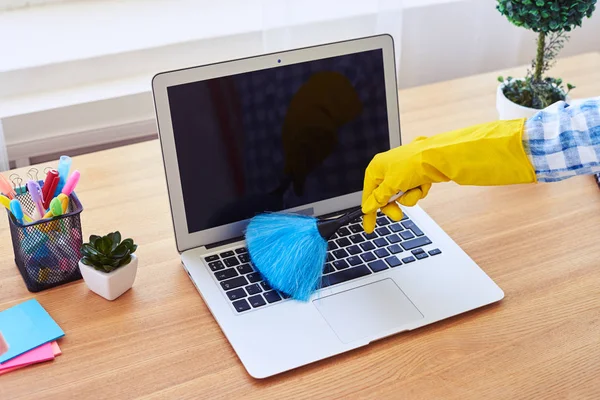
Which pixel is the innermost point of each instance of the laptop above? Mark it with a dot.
(293, 132)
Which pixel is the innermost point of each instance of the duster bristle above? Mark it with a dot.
(288, 251)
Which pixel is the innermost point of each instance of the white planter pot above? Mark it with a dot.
(508, 110)
(112, 284)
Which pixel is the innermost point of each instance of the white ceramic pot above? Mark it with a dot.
(509, 110)
(112, 284)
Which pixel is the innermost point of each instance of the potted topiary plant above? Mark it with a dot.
(550, 19)
(108, 265)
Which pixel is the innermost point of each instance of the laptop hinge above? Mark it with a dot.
(239, 238)
(224, 242)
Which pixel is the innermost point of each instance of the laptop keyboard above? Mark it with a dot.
(352, 254)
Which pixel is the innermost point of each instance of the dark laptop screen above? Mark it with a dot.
(277, 138)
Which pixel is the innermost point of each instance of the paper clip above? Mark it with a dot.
(31, 173)
(17, 182)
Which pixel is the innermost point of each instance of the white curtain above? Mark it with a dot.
(4, 165)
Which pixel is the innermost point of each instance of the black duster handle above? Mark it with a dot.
(328, 227)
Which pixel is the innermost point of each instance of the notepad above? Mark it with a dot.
(27, 326)
(37, 355)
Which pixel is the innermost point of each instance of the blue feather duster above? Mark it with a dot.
(289, 250)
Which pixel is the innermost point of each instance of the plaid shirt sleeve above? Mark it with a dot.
(563, 141)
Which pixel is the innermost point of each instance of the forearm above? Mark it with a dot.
(563, 141)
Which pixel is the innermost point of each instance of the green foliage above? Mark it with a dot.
(551, 19)
(546, 15)
(530, 93)
(107, 253)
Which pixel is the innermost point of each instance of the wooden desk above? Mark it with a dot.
(540, 243)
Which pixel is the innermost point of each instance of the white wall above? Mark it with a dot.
(461, 38)
(81, 98)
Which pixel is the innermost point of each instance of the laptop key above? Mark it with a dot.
(370, 236)
(381, 221)
(331, 246)
(367, 257)
(253, 289)
(407, 235)
(414, 243)
(407, 260)
(244, 257)
(393, 261)
(231, 262)
(357, 238)
(214, 257)
(417, 251)
(226, 274)
(381, 253)
(340, 264)
(234, 283)
(226, 254)
(393, 238)
(380, 242)
(216, 265)
(356, 220)
(377, 266)
(245, 269)
(236, 294)
(421, 256)
(343, 232)
(241, 250)
(354, 260)
(382, 231)
(395, 249)
(352, 250)
(356, 228)
(367, 246)
(328, 268)
(343, 242)
(266, 287)
(435, 252)
(396, 227)
(257, 301)
(341, 253)
(411, 225)
(404, 216)
(254, 277)
(330, 257)
(345, 275)
(272, 296)
(241, 305)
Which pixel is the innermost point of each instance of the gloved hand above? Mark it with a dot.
(483, 155)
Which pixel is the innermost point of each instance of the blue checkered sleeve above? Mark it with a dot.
(563, 140)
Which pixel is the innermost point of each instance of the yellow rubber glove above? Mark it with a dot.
(483, 155)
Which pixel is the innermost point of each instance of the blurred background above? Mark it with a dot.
(75, 74)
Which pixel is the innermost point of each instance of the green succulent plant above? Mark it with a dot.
(107, 253)
(550, 19)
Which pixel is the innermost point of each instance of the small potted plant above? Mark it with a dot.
(108, 265)
(550, 19)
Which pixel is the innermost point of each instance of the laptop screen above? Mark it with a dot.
(277, 138)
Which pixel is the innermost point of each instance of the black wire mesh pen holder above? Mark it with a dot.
(47, 252)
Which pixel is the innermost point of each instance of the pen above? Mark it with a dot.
(6, 187)
(71, 183)
(49, 187)
(64, 164)
(36, 196)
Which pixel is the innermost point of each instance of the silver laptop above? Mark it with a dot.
(231, 134)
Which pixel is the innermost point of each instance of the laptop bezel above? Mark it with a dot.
(160, 82)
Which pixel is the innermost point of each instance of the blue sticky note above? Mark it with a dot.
(25, 327)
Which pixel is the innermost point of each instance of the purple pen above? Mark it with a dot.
(36, 196)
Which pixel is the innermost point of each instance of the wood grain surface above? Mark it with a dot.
(540, 243)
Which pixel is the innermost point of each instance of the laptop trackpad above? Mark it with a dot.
(368, 311)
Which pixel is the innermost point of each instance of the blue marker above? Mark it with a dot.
(64, 165)
(15, 208)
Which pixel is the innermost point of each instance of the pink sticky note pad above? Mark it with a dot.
(57, 351)
(43, 353)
